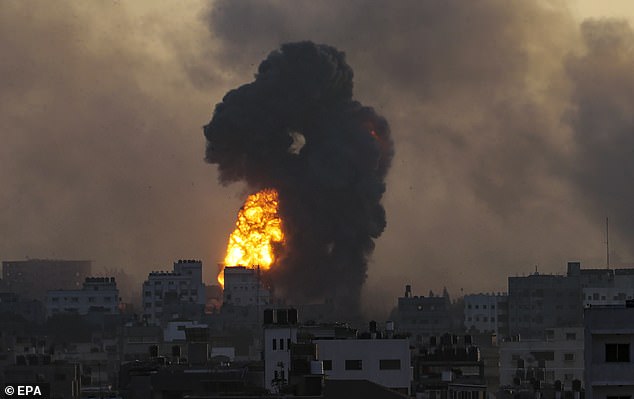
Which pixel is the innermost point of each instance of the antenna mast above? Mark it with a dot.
(607, 242)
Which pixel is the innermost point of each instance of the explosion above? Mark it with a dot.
(257, 228)
(296, 129)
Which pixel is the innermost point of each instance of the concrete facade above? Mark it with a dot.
(386, 362)
(279, 334)
(98, 294)
(557, 357)
(485, 313)
(609, 352)
(422, 316)
(168, 292)
(243, 287)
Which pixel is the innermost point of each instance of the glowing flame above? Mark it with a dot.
(257, 228)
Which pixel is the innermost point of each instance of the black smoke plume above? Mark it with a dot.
(297, 129)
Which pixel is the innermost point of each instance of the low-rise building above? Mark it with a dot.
(449, 366)
(98, 294)
(63, 378)
(609, 351)
(291, 349)
(386, 362)
(558, 356)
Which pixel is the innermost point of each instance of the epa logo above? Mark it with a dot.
(23, 390)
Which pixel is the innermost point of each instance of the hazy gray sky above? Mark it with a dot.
(513, 124)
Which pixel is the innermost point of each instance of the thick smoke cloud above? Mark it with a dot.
(483, 99)
(603, 123)
(510, 121)
(330, 183)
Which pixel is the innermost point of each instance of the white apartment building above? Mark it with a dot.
(559, 356)
(164, 290)
(386, 362)
(609, 352)
(482, 311)
(98, 294)
(244, 288)
(279, 334)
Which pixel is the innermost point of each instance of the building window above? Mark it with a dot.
(390, 364)
(327, 364)
(354, 365)
(281, 344)
(91, 299)
(571, 336)
(274, 344)
(569, 357)
(617, 352)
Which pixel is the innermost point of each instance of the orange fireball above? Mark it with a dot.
(257, 228)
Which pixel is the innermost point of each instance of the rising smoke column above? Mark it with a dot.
(297, 129)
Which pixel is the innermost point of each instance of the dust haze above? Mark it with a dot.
(512, 123)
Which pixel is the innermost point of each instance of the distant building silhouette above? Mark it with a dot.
(98, 294)
(180, 293)
(32, 278)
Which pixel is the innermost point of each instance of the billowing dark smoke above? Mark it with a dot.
(297, 129)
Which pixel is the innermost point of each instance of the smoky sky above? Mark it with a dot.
(492, 105)
(330, 185)
(511, 121)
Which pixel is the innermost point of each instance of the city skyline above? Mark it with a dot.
(103, 108)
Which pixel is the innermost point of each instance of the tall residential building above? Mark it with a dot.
(180, 292)
(98, 294)
(243, 287)
(609, 351)
(486, 313)
(423, 316)
(541, 301)
(280, 332)
(32, 278)
(538, 301)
